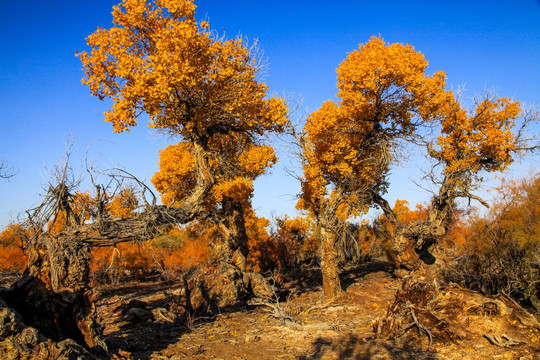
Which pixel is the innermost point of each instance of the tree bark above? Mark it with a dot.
(330, 266)
(53, 294)
(413, 242)
(235, 246)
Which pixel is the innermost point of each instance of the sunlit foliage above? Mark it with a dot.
(201, 88)
(384, 93)
(482, 140)
(349, 145)
(123, 204)
(13, 241)
(158, 59)
(176, 177)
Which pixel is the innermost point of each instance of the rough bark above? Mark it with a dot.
(19, 341)
(221, 286)
(225, 282)
(414, 242)
(330, 265)
(234, 248)
(53, 295)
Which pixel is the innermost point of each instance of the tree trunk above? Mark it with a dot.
(413, 242)
(233, 229)
(53, 294)
(330, 265)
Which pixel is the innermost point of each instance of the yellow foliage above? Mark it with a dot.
(12, 258)
(176, 176)
(123, 204)
(234, 167)
(12, 243)
(159, 59)
(479, 141)
(237, 189)
(384, 91)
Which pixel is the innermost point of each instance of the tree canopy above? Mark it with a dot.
(385, 93)
(158, 59)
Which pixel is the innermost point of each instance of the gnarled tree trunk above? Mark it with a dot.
(414, 241)
(53, 295)
(330, 265)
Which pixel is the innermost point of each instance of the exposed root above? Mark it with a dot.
(419, 326)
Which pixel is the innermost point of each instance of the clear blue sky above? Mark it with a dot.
(479, 44)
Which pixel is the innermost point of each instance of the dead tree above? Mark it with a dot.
(54, 295)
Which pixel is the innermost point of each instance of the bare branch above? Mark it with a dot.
(6, 171)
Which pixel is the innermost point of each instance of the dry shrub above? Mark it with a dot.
(290, 245)
(125, 261)
(425, 312)
(172, 252)
(501, 253)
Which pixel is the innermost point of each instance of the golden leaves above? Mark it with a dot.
(159, 60)
(481, 140)
(123, 204)
(384, 92)
(387, 82)
(176, 176)
(234, 168)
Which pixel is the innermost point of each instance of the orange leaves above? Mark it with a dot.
(238, 189)
(176, 176)
(12, 258)
(387, 83)
(256, 159)
(384, 92)
(234, 179)
(158, 59)
(481, 140)
(123, 204)
(12, 243)
(176, 249)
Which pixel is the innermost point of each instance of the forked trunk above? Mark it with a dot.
(330, 266)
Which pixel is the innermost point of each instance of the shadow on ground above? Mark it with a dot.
(350, 346)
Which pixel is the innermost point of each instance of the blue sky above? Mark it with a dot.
(479, 44)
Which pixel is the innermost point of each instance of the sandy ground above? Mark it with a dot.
(342, 329)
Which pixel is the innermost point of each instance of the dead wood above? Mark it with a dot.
(502, 341)
(450, 313)
(19, 341)
(419, 326)
(54, 295)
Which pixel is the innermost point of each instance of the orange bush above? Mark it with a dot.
(12, 244)
(501, 250)
(123, 260)
(291, 244)
(173, 250)
(12, 258)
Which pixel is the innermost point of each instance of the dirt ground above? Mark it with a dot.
(342, 329)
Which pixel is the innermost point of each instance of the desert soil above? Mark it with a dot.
(342, 329)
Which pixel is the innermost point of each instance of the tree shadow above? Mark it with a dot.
(142, 339)
(306, 279)
(351, 346)
(353, 274)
